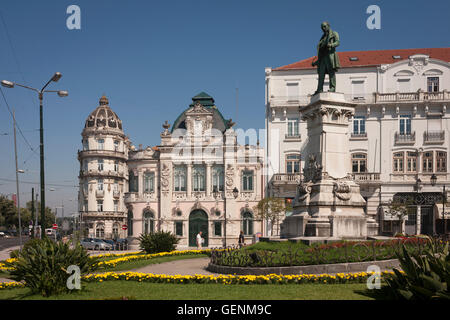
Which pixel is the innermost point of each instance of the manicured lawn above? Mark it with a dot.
(126, 266)
(161, 291)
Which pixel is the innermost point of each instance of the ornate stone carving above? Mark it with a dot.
(342, 190)
(303, 191)
(230, 176)
(165, 176)
(313, 171)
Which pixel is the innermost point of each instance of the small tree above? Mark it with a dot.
(400, 210)
(272, 209)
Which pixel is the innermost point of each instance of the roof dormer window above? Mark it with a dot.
(353, 58)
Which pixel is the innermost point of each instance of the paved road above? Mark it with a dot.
(6, 243)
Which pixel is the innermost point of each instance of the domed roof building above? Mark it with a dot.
(103, 173)
(197, 179)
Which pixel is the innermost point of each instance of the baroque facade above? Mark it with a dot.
(398, 136)
(197, 179)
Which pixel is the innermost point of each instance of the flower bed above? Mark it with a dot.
(360, 277)
(340, 278)
(339, 252)
(121, 258)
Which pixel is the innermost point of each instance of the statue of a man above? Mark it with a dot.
(327, 59)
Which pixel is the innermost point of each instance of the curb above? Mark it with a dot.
(310, 269)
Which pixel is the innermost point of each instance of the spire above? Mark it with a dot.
(104, 101)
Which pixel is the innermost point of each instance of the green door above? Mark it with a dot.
(198, 221)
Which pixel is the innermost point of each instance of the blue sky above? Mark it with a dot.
(150, 57)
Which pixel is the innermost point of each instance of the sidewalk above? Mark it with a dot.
(4, 254)
(183, 267)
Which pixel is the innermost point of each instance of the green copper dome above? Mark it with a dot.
(208, 102)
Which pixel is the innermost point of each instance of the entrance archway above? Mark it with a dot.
(424, 200)
(198, 221)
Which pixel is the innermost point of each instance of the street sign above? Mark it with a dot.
(124, 227)
(55, 226)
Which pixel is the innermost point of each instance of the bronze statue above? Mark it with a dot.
(327, 59)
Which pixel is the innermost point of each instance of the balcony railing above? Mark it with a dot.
(102, 153)
(289, 136)
(359, 135)
(287, 178)
(375, 97)
(109, 173)
(434, 136)
(405, 137)
(366, 177)
(99, 193)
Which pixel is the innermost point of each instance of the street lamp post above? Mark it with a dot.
(235, 195)
(55, 78)
(444, 200)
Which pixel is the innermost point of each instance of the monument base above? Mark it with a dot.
(327, 208)
(372, 227)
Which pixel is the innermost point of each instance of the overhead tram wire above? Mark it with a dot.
(37, 183)
(17, 124)
(16, 60)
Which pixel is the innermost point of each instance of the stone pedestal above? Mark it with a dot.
(328, 201)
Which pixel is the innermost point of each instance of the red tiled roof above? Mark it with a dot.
(373, 58)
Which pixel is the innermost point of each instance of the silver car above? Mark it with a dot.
(96, 244)
(88, 243)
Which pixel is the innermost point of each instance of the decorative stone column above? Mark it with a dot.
(328, 201)
(418, 219)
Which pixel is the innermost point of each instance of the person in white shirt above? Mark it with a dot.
(199, 240)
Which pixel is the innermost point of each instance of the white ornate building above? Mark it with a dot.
(198, 178)
(399, 137)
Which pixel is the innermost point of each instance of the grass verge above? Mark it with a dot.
(161, 291)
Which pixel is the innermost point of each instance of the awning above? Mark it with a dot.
(438, 211)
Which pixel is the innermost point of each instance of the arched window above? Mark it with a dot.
(115, 230)
(149, 181)
(217, 178)
(179, 178)
(441, 161)
(148, 222)
(198, 178)
(130, 222)
(100, 230)
(292, 163)
(247, 223)
(398, 162)
(359, 162)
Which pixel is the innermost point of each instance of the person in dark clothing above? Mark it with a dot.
(241, 239)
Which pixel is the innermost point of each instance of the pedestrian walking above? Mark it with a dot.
(199, 241)
(241, 239)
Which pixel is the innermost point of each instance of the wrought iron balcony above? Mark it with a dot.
(405, 138)
(434, 136)
(362, 135)
(289, 136)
